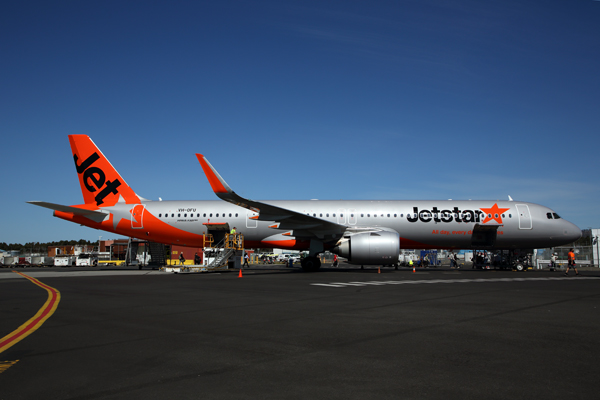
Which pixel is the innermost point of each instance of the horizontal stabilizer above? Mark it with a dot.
(96, 216)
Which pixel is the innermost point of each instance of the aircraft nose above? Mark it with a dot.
(571, 232)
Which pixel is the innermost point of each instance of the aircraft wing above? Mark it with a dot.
(94, 215)
(302, 225)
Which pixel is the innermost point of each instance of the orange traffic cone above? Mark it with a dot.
(240, 275)
(379, 270)
(414, 269)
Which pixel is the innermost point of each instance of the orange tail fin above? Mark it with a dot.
(100, 182)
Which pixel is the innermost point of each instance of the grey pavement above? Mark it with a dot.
(281, 333)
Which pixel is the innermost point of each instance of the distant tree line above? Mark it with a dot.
(42, 247)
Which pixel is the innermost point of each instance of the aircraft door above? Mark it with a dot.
(137, 216)
(351, 216)
(524, 216)
(251, 219)
(341, 216)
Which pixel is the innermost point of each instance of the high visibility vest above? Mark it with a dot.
(571, 255)
(232, 232)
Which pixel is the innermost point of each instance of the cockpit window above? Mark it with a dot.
(556, 216)
(549, 215)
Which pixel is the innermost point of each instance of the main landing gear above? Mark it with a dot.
(310, 264)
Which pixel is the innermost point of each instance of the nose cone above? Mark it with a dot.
(570, 231)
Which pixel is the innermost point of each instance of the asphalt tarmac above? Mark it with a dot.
(281, 333)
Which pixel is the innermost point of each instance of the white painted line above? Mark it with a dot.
(434, 281)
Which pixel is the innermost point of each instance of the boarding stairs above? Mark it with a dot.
(157, 254)
(225, 249)
(132, 250)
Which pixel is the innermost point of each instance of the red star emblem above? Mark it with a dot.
(493, 213)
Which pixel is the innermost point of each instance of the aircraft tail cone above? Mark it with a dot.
(240, 275)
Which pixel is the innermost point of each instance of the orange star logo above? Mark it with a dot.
(494, 213)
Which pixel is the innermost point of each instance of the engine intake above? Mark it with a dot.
(370, 248)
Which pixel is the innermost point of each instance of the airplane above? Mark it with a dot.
(365, 232)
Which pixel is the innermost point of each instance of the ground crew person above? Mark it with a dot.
(232, 239)
(571, 262)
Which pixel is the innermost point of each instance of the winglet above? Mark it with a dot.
(222, 189)
(217, 183)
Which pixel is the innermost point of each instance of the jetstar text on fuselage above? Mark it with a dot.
(446, 215)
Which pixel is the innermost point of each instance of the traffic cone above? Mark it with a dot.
(379, 270)
(240, 275)
(414, 269)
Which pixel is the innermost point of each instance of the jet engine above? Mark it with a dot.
(370, 248)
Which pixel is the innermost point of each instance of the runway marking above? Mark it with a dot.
(37, 320)
(433, 281)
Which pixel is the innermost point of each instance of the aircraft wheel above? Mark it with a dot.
(310, 264)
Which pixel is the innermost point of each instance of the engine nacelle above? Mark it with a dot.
(370, 248)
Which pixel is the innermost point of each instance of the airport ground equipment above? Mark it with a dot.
(86, 260)
(226, 254)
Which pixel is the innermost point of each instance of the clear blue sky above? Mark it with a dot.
(423, 99)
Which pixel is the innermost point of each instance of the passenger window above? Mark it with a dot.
(178, 215)
(229, 215)
(327, 215)
(210, 215)
(172, 215)
(333, 215)
(236, 214)
(368, 215)
(204, 215)
(159, 215)
(185, 215)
